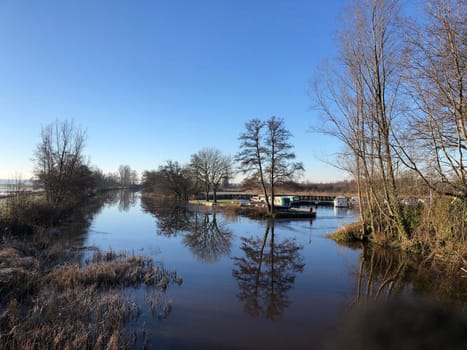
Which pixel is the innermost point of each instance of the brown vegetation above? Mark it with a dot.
(73, 306)
(56, 294)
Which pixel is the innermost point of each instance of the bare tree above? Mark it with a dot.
(124, 172)
(211, 168)
(361, 103)
(280, 166)
(252, 153)
(59, 162)
(266, 155)
(435, 83)
(133, 177)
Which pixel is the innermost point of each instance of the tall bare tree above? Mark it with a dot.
(266, 155)
(211, 168)
(251, 156)
(124, 172)
(435, 82)
(361, 103)
(60, 166)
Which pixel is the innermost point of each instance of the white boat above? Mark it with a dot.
(354, 201)
(341, 202)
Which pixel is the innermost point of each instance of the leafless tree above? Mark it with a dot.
(266, 155)
(360, 102)
(125, 174)
(211, 168)
(436, 139)
(60, 166)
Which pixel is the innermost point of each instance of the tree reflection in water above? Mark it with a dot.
(124, 198)
(385, 273)
(127, 199)
(208, 239)
(172, 218)
(380, 275)
(403, 303)
(266, 273)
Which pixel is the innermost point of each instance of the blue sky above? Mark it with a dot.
(157, 80)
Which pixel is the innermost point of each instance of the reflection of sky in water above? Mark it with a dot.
(206, 307)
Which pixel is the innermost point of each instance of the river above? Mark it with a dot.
(251, 284)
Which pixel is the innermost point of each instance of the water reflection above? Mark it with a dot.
(384, 274)
(380, 275)
(127, 199)
(208, 239)
(172, 219)
(340, 211)
(124, 198)
(266, 273)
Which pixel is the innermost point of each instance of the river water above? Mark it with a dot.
(250, 284)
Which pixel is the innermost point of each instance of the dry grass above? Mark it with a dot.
(73, 306)
(348, 233)
(442, 232)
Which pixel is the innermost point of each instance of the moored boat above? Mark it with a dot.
(341, 202)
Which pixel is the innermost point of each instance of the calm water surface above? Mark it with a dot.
(246, 283)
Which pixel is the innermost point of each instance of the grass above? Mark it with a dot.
(348, 233)
(71, 305)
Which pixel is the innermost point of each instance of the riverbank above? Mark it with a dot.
(57, 293)
(72, 305)
(228, 263)
(453, 256)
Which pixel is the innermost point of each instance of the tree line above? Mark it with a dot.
(265, 157)
(66, 176)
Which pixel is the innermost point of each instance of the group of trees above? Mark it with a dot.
(172, 180)
(265, 156)
(63, 171)
(60, 167)
(127, 176)
(206, 172)
(396, 98)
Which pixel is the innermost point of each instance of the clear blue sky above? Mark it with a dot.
(159, 80)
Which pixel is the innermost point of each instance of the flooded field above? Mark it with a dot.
(255, 284)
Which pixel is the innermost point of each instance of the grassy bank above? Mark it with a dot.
(436, 231)
(348, 233)
(74, 305)
(57, 294)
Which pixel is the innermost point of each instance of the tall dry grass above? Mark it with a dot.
(73, 306)
(442, 231)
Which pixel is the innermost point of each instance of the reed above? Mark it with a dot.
(348, 233)
(75, 306)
